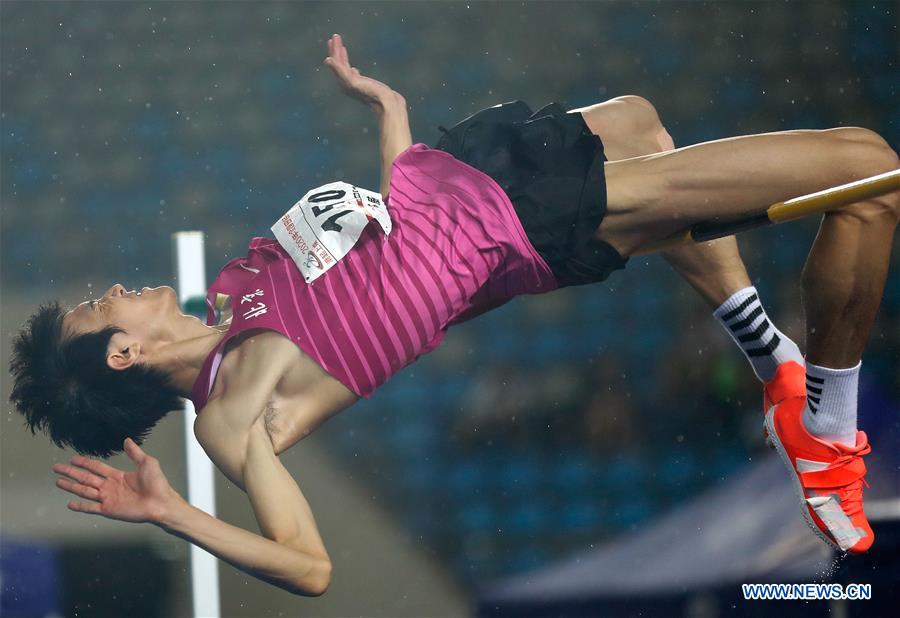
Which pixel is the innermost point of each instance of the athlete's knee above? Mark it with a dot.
(634, 99)
(647, 123)
(864, 151)
(866, 154)
(642, 111)
(883, 211)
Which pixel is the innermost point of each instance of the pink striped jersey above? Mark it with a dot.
(456, 250)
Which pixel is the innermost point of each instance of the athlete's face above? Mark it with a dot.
(146, 316)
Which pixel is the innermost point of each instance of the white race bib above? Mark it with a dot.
(322, 227)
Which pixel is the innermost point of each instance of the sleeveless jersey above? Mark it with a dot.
(457, 249)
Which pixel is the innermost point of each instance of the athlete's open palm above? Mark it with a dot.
(139, 496)
(352, 82)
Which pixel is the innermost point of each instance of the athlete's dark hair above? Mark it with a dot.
(65, 388)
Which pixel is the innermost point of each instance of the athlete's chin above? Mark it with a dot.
(171, 297)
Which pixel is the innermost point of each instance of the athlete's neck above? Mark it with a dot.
(183, 357)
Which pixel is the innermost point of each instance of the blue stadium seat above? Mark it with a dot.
(274, 84)
(594, 305)
(625, 471)
(95, 207)
(224, 162)
(518, 473)
(294, 127)
(15, 132)
(629, 24)
(572, 472)
(703, 130)
(426, 476)
(742, 93)
(526, 518)
(668, 57)
(503, 345)
(20, 247)
(465, 477)
(871, 36)
(411, 438)
(678, 471)
(477, 517)
(152, 128)
(805, 118)
(548, 345)
(728, 462)
(448, 391)
(411, 393)
(578, 516)
(171, 162)
(891, 298)
(389, 42)
(30, 171)
(631, 512)
(471, 74)
(651, 335)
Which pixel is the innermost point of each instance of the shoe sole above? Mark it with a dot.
(775, 442)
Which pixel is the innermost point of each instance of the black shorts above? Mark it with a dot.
(551, 167)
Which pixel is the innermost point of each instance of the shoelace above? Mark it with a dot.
(851, 495)
(852, 498)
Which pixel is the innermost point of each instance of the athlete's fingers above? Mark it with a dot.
(85, 507)
(82, 476)
(336, 66)
(134, 452)
(341, 50)
(331, 59)
(334, 51)
(82, 491)
(97, 467)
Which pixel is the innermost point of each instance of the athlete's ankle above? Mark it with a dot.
(764, 346)
(830, 411)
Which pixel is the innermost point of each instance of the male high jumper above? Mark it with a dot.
(509, 202)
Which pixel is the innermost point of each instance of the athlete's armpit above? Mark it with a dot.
(290, 421)
(271, 422)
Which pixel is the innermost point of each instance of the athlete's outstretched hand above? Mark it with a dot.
(139, 496)
(370, 91)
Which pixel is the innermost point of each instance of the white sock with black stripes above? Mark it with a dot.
(766, 347)
(830, 412)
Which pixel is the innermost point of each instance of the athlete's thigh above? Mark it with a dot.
(651, 197)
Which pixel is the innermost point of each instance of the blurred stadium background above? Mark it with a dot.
(536, 433)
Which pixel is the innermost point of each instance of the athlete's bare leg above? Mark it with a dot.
(629, 126)
(653, 196)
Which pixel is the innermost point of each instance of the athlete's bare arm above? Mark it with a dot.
(388, 104)
(232, 431)
(292, 555)
(395, 136)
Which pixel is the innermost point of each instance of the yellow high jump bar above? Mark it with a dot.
(779, 212)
